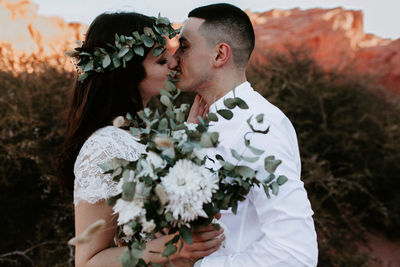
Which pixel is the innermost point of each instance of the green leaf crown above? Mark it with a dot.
(124, 49)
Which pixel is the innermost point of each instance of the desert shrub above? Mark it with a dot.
(349, 137)
(36, 219)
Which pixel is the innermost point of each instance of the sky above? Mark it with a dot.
(381, 17)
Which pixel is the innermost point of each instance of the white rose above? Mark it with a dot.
(127, 231)
(147, 226)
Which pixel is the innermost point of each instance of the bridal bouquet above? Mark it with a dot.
(169, 186)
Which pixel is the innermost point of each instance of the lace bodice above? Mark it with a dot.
(91, 184)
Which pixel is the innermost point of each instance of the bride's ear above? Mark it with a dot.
(222, 54)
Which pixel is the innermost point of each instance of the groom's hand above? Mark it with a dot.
(199, 108)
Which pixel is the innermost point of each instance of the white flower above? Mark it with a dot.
(188, 186)
(155, 160)
(146, 169)
(199, 153)
(180, 136)
(119, 122)
(128, 210)
(127, 231)
(147, 226)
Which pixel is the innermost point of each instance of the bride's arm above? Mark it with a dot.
(98, 252)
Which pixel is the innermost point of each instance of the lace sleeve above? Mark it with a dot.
(91, 184)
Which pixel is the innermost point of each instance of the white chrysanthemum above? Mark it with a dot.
(188, 186)
(147, 226)
(155, 160)
(128, 210)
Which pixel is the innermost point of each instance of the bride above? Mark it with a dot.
(90, 139)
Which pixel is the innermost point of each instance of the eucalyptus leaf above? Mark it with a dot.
(186, 234)
(212, 117)
(115, 60)
(266, 190)
(169, 250)
(236, 155)
(88, 66)
(135, 131)
(82, 77)
(270, 163)
(128, 191)
(260, 117)
(139, 50)
(241, 103)
(275, 188)
(281, 179)
(158, 51)
(165, 101)
(106, 61)
(230, 103)
(163, 125)
(148, 42)
(225, 113)
(137, 35)
(129, 55)
(205, 140)
(170, 86)
(245, 171)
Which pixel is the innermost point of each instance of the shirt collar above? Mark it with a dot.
(240, 91)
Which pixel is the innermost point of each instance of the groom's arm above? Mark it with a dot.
(289, 237)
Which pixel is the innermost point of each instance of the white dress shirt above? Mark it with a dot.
(266, 232)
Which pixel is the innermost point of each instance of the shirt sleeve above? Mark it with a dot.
(289, 237)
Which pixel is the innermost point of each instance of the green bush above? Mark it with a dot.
(349, 136)
(36, 219)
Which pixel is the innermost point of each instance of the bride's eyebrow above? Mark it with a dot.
(182, 39)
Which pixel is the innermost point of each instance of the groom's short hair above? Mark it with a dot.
(228, 24)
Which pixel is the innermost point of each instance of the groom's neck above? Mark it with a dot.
(221, 85)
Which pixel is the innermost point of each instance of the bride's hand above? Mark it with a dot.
(199, 108)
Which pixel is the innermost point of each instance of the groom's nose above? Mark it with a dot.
(172, 63)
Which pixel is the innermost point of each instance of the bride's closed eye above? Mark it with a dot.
(162, 61)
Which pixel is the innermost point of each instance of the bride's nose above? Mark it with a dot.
(172, 62)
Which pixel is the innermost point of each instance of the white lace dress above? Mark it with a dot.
(91, 184)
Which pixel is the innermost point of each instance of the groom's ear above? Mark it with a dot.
(222, 54)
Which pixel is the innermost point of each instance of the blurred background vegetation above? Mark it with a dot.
(349, 136)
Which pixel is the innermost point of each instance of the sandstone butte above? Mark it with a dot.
(335, 38)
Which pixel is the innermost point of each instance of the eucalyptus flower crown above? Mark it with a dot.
(124, 48)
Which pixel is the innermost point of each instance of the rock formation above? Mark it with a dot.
(334, 37)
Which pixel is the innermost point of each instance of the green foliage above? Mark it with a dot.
(36, 220)
(349, 136)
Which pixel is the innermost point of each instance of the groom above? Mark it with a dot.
(215, 45)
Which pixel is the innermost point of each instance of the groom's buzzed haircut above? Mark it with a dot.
(225, 23)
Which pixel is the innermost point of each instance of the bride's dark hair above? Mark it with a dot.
(101, 97)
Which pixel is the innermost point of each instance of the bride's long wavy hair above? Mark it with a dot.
(101, 97)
